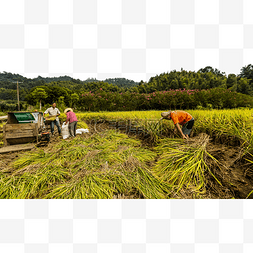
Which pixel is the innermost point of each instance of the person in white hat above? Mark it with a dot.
(72, 119)
(180, 118)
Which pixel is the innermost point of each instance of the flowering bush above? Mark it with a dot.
(160, 100)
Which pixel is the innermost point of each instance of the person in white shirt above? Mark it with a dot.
(53, 111)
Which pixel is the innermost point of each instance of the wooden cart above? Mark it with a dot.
(22, 131)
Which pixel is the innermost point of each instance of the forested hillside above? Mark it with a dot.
(206, 78)
(71, 91)
(8, 84)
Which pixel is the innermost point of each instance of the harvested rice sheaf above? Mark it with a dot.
(183, 164)
(106, 165)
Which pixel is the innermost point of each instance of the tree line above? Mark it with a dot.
(70, 91)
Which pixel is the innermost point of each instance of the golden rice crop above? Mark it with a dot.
(110, 164)
(184, 165)
(235, 123)
(103, 165)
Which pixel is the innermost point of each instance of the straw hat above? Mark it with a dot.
(165, 115)
(68, 109)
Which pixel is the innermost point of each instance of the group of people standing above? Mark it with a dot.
(53, 111)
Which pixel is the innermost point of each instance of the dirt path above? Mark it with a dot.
(232, 170)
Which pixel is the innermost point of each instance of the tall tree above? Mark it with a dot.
(74, 98)
(38, 94)
(247, 72)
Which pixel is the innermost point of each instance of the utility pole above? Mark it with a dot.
(18, 95)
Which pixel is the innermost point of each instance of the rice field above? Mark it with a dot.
(233, 123)
(216, 162)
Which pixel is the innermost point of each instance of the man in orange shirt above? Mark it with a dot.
(180, 118)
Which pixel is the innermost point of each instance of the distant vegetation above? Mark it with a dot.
(189, 89)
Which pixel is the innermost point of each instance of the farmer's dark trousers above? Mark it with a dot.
(56, 122)
(72, 128)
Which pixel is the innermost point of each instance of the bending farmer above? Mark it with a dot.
(180, 118)
(72, 119)
(54, 112)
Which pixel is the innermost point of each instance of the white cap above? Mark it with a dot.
(165, 115)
